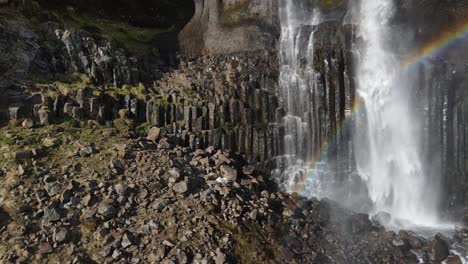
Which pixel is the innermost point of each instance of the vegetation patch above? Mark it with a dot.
(137, 40)
(330, 4)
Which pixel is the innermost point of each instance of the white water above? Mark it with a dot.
(389, 159)
(296, 86)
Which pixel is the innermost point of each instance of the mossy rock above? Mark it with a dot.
(330, 4)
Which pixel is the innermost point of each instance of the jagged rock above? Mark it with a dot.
(229, 173)
(153, 134)
(107, 209)
(175, 174)
(121, 189)
(86, 151)
(164, 144)
(27, 123)
(127, 240)
(117, 166)
(51, 214)
(87, 200)
(116, 254)
(62, 235)
(21, 170)
(44, 116)
(159, 205)
(253, 214)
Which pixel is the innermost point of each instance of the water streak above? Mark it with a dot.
(297, 83)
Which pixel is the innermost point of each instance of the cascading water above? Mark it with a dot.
(297, 83)
(390, 159)
(387, 150)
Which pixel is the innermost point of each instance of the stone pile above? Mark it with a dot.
(145, 203)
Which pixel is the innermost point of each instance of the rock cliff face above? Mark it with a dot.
(224, 91)
(230, 26)
(75, 183)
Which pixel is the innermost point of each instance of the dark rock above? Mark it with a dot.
(412, 239)
(107, 209)
(381, 218)
(358, 223)
(51, 214)
(159, 205)
(440, 248)
(117, 166)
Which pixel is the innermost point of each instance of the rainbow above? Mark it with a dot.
(437, 45)
(329, 142)
(432, 47)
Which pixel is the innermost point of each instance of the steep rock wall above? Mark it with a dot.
(230, 26)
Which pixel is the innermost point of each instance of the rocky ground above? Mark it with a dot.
(79, 192)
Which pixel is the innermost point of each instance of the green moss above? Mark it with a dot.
(65, 84)
(143, 129)
(328, 4)
(249, 239)
(137, 40)
(139, 91)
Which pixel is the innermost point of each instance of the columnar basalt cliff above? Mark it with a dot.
(184, 161)
(229, 79)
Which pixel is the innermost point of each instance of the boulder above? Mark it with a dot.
(153, 134)
(453, 259)
(27, 123)
(228, 173)
(440, 248)
(358, 223)
(51, 214)
(181, 187)
(382, 218)
(107, 209)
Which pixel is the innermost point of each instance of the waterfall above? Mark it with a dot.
(297, 84)
(389, 159)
